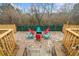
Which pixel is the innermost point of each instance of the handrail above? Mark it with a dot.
(71, 31)
(5, 33)
(69, 26)
(8, 26)
(74, 28)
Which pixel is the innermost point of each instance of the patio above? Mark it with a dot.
(43, 48)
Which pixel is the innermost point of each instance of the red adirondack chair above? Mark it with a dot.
(32, 31)
(46, 31)
(38, 37)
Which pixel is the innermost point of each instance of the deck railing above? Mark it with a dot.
(8, 26)
(7, 42)
(71, 41)
(69, 26)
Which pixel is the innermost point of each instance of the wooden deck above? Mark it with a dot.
(22, 42)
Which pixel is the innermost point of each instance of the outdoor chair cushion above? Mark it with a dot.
(30, 36)
(46, 36)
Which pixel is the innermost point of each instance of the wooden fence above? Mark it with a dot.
(7, 42)
(71, 41)
(8, 26)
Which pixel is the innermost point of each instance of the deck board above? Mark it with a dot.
(21, 49)
(59, 49)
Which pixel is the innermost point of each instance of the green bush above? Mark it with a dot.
(52, 27)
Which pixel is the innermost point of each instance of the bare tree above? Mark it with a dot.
(39, 10)
(75, 14)
(66, 12)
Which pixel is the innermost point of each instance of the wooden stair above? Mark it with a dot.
(59, 49)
